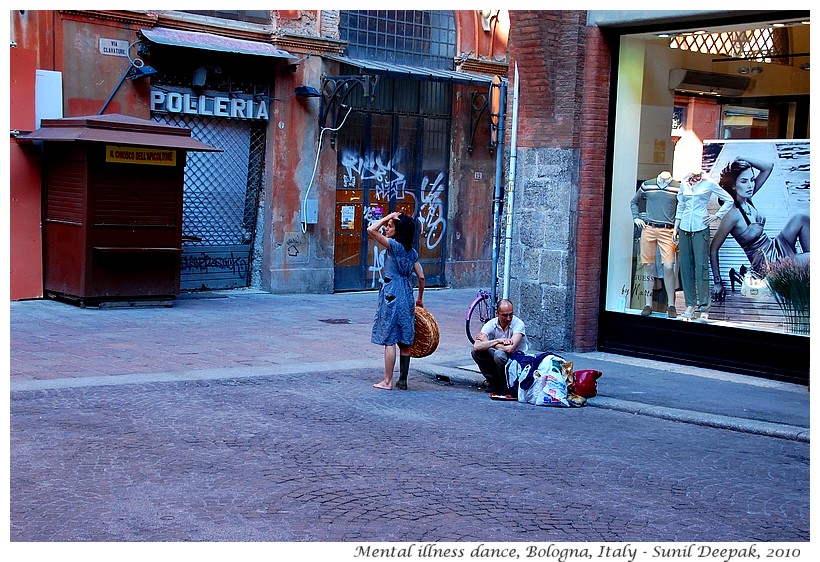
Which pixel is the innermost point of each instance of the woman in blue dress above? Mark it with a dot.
(395, 317)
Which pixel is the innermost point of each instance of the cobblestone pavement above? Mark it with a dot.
(327, 458)
(217, 422)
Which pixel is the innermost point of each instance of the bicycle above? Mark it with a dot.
(479, 312)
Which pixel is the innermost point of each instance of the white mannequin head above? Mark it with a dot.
(664, 178)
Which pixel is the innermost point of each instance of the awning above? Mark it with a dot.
(117, 129)
(211, 42)
(415, 72)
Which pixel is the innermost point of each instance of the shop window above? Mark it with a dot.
(753, 142)
(413, 37)
(738, 122)
(249, 16)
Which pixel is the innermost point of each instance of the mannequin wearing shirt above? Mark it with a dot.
(691, 230)
(661, 198)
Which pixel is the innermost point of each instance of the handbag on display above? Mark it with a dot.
(754, 287)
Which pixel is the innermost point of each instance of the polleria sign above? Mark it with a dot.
(217, 106)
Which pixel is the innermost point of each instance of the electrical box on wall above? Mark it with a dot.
(311, 211)
(48, 95)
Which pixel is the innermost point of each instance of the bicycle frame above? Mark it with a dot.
(479, 311)
(480, 296)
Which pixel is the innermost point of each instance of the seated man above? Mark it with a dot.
(497, 340)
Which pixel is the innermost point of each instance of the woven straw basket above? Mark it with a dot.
(427, 334)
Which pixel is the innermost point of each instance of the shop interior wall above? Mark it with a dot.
(624, 165)
(658, 100)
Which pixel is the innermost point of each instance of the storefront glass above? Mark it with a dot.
(731, 103)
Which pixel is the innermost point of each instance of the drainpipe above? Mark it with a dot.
(511, 186)
(499, 157)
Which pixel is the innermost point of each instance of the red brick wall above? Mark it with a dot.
(548, 46)
(592, 182)
(564, 70)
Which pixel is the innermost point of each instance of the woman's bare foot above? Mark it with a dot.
(383, 385)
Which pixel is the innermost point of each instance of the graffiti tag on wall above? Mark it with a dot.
(377, 267)
(431, 215)
(206, 263)
(391, 183)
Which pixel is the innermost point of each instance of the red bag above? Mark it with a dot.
(585, 382)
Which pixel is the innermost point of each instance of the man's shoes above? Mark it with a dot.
(672, 312)
(647, 310)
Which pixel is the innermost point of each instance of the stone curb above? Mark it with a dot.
(781, 431)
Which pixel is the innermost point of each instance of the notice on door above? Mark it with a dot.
(348, 217)
(140, 155)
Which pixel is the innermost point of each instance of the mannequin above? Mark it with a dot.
(660, 195)
(691, 231)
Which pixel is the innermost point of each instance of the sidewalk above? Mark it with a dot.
(246, 333)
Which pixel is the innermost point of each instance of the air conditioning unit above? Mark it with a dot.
(710, 83)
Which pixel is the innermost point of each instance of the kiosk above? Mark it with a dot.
(112, 208)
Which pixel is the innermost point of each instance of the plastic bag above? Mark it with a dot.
(543, 385)
(538, 379)
(551, 388)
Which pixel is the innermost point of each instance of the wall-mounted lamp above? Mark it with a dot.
(141, 70)
(307, 92)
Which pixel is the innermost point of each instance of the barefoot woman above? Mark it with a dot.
(395, 317)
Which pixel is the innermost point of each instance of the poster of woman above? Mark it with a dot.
(769, 182)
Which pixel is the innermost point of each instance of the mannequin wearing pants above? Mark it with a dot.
(659, 196)
(691, 231)
(693, 254)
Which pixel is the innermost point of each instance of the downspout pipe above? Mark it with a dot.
(511, 185)
(499, 158)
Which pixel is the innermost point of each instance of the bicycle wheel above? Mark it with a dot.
(478, 315)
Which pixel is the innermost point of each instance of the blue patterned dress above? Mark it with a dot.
(395, 316)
